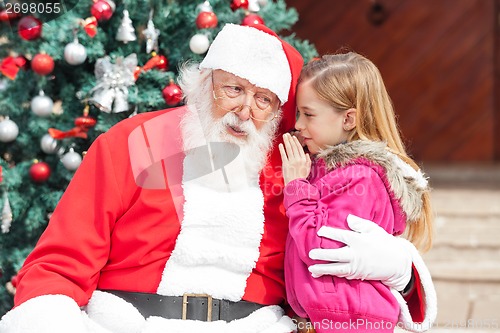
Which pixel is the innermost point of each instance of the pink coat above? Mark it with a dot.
(355, 184)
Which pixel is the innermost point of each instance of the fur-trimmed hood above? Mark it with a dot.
(406, 183)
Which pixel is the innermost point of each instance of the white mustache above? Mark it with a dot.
(232, 119)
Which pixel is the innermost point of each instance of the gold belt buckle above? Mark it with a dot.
(185, 304)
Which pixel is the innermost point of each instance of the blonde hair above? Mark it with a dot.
(349, 80)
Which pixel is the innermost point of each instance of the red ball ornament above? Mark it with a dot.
(237, 4)
(206, 20)
(29, 28)
(42, 64)
(252, 19)
(39, 172)
(102, 10)
(172, 94)
(8, 15)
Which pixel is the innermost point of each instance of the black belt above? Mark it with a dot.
(190, 306)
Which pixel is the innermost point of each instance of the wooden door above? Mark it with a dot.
(440, 62)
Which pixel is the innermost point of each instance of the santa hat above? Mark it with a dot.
(256, 53)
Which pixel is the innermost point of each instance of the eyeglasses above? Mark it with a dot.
(236, 94)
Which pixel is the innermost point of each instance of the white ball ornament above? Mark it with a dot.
(8, 130)
(75, 53)
(71, 160)
(48, 144)
(199, 43)
(42, 105)
(3, 84)
(253, 6)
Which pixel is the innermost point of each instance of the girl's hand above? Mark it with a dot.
(298, 136)
(296, 163)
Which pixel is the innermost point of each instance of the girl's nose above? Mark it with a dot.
(299, 126)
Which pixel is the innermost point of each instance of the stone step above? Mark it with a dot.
(459, 255)
(465, 258)
(458, 270)
(467, 305)
(466, 202)
(467, 231)
(466, 248)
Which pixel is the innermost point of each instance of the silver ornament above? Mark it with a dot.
(126, 32)
(151, 34)
(199, 44)
(42, 105)
(3, 84)
(253, 6)
(8, 130)
(204, 7)
(75, 53)
(111, 91)
(262, 2)
(48, 144)
(71, 160)
(6, 214)
(103, 99)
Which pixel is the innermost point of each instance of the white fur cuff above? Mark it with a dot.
(119, 316)
(269, 319)
(48, 314)
(405, 320)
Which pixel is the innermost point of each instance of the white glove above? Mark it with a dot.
(370, 254)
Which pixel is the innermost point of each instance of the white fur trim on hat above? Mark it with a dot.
(253, 55)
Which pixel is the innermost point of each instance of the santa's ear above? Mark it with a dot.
(350, 119)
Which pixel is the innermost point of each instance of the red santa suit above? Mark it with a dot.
(124, 227)
(123, 230)
(136, 217)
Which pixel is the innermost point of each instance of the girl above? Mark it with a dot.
(360, 167)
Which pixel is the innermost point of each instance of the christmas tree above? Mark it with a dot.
(71, 70)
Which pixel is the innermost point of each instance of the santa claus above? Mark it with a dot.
(174, 220)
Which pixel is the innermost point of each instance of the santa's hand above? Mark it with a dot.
(370, 254)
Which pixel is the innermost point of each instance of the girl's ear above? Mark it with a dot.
(350, 119)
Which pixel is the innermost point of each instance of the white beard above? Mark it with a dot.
(199, 129)
(221, 231)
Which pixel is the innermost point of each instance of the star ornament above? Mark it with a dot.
(151, 34)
